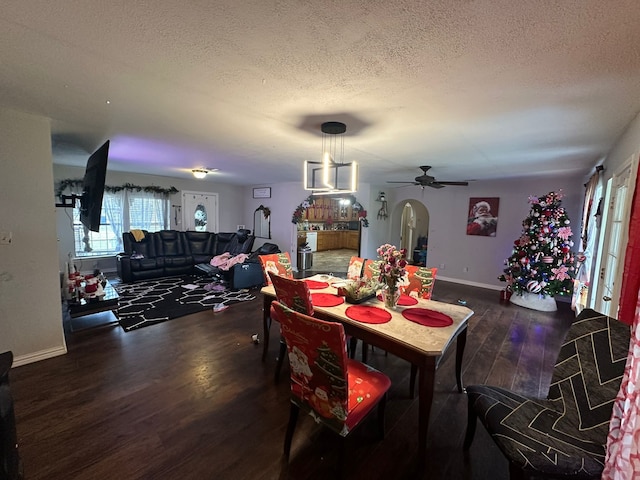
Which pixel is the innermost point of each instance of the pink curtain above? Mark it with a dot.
(623, 443)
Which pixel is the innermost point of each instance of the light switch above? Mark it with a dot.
(5, 238)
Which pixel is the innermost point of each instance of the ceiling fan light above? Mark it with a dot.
(199, 173)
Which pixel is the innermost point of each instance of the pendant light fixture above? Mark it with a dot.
(331, 174)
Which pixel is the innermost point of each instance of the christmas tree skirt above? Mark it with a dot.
(534, 301)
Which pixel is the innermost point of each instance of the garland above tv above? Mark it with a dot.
(77, 183)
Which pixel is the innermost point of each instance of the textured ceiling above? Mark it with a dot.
(478, 89)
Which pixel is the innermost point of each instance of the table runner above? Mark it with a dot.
(403, 301)
(326, 299)
(368, 314)
(426, 317)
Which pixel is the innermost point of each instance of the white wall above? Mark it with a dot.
(30, 308)
(626, 146)
(448, 208)
(449, 245)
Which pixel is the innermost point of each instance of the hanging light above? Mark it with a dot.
(331, 175)
(199, 173)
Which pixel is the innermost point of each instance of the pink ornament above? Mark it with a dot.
(547, 259)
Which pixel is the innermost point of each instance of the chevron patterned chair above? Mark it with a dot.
(564, 435)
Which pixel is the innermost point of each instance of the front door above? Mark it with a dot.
(200, 211)
(615, 231)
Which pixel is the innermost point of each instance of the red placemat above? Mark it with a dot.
(368, 314)
(403, 301)
(426, 317)
(316, 285)
(326, 300)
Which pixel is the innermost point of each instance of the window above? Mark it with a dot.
(121, 211)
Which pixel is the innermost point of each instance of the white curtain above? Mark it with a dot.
(151, 210)
(112, 205)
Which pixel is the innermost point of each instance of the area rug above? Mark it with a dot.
(149, 302)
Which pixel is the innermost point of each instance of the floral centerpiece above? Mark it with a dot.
(392, 270)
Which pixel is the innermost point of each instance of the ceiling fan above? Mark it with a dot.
(425, 180)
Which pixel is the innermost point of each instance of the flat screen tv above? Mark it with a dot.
(93, 188)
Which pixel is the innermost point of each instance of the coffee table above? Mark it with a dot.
(88, 306)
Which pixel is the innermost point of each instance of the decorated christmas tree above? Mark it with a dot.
(542, 261)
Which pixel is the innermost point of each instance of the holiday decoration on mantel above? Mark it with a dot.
(542, 263)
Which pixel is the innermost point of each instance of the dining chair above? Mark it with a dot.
(371, 269)
(565, 434)
(336, 391)
(278, 263)
(419, 281)
(295, 295)
(356, 265)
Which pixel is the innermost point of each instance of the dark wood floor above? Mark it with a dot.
(190, 399)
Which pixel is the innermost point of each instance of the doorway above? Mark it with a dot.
(410, 229)
(613, 238)
(200, 211)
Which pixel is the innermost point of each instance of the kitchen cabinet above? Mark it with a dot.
(335, 239)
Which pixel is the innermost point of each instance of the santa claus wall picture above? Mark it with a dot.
(483, 216)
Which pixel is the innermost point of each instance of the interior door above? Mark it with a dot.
(615, 235)
(200, 211)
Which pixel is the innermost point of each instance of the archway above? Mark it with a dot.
(419, 230)
(331, 226)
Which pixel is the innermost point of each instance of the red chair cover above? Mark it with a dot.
(336, 391)
(356, 264)
(278, 263)
(420, 281)
(371, 269)
(293, 293)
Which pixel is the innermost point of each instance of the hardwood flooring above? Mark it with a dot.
(191, 399)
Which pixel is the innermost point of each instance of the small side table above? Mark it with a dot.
(109, 301)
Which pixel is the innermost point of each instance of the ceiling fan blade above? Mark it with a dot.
(408, 182)
(461, 184)
(435, 185)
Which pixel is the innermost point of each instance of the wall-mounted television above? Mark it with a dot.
(92, 189)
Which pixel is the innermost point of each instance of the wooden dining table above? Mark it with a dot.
(423, 346)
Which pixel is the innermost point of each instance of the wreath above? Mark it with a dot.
(307, 202)
(76, 184)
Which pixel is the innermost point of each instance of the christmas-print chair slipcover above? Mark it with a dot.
(336, 391)
(419, 281)
(566, 433)
(294, 294)
(371, 269)
(278, 263)
(356, 265)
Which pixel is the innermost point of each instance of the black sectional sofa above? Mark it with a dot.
(171, 252)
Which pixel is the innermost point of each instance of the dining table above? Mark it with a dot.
(417, 330)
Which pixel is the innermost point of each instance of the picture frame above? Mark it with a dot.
(482, 216)
(262, 192)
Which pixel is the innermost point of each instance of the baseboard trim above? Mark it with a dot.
(41, 355)
(467, 282)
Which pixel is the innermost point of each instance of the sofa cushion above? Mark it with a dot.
(200, 245)
(145, 246)
(169, 242)
(222, 242)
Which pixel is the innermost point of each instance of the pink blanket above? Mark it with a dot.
(225, 261)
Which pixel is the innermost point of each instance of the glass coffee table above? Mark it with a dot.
(89, 306)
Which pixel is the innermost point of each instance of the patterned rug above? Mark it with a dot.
(149, 302)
